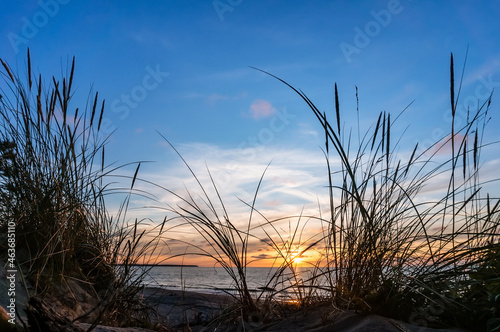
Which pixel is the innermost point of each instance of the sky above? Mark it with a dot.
(182, 70)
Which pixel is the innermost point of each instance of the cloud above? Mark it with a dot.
(444, 146)
(294, 180)
(261, 109)
(193, 95)
(486, 70)
(313, 133)
(149, 37)
(308, 129)
(229, 75)
(272, 203)
(215, 97)
(292, 188)
(263, 256)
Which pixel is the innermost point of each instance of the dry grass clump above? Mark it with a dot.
(390, 250)
(388, 247)
(52, 189)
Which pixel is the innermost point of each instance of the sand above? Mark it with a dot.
(191, 311)
(178, 308)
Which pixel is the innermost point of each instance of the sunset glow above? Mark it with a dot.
(181, 71)
(250, 165)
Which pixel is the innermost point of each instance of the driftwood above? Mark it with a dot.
(5, 326)
(46, 316)
(59, 308)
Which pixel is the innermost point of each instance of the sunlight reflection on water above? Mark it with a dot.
(216, 279)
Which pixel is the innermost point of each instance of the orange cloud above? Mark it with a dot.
(444, 147)
(263, 256)
(273, 203)
(261, 109)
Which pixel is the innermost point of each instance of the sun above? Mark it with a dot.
(296, 258)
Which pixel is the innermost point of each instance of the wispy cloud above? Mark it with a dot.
(225, 75)
(263, 256)
(260, 109)
(292, 187)
(294, 180)
(305, 129)
(273, 202)
(193, 95)
(148, 37)
(215, 97)
(489, 68)
(444, 146)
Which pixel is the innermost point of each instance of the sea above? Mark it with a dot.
(217, 280)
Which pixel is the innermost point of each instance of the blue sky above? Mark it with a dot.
(181, 68)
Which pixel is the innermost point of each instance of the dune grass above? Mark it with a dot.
(52, 188)
(390, 251)
(386, 246)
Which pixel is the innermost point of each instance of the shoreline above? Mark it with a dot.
(181, 309)
(155, 292)
(165, 265)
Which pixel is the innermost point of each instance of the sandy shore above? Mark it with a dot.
(195, 312)
(191, 311)
(179, 309)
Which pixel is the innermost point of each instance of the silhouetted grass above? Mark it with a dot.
(52, 189)
(387, 249)
(386, 246)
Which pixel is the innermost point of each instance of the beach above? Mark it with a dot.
(196, 311)
(178, 309)
(252, 227)
(188, 310)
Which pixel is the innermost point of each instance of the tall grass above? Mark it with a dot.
(389, 249)
(228, 245)
(387, 245)
(52, 187)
